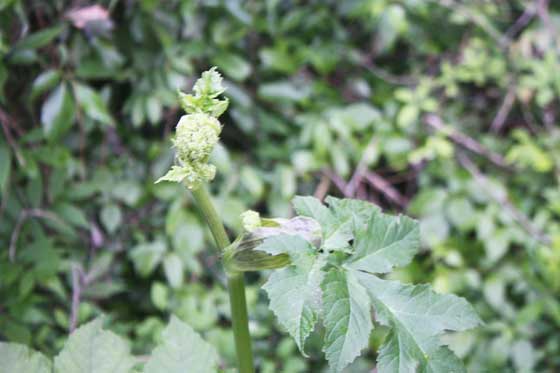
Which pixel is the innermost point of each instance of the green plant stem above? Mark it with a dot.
(236, 284)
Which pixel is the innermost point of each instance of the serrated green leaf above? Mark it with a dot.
(176, 174)
(295, 292)
(347, 318)
(206, 90)
(384, 243)
(15, 357)
(182, 350)
(336, 220)
(313, 208)
(90, 349)
(417, 316)
(336, 233)
(57, 113)
(345, 209)
(209, 84)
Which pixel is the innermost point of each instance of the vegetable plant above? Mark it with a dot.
(327, 264)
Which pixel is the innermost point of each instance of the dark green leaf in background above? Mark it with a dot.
(57, 112)
(38, 39)
(92, 104)
(5, 167)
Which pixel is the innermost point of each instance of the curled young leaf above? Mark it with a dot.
(206, 90)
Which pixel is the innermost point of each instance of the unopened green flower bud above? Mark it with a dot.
(197, 134)
(251, 220)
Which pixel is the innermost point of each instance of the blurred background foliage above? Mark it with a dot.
(445, 110)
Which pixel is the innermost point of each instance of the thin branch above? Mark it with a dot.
(544, 15)
(521, 22)
(467, 142)
(323, 187)
(15, 234)
(337, 181)
(384, 187)
(11, 122)
(76, 294)
(354, 181)
(503, 200)
(4, 121)
(504, 110)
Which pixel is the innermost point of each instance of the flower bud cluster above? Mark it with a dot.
(197, 133)
(251, 220)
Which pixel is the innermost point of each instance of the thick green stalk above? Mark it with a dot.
(236, 284)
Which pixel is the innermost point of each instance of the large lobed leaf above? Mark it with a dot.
(182, 350)
(337, 220)
(295, 292)
(348, 289)
(417, 316)
(384, 243)
(347, 318)
(90, 349)
(19, 358)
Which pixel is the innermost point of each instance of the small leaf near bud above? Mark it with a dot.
(209, 84)
(206, 90)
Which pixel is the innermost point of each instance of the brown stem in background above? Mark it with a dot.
(384, 187)
(503, 200)
(544, 15)
(504, 110)
(352, 185)
(5, 120)
(336, 180)
(467, 142)
(76, 292)
(521, 22)
(323, 187)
